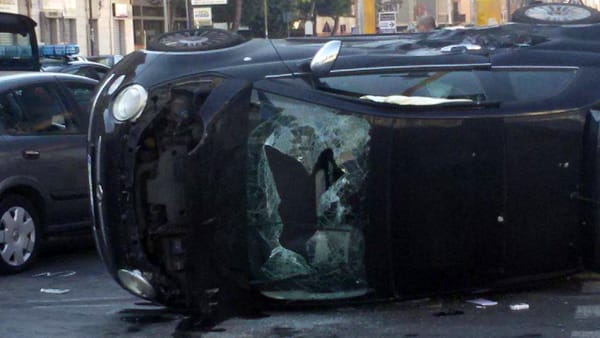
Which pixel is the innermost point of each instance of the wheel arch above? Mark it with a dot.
(29, 189)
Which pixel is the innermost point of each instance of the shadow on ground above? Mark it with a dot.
(68, 244)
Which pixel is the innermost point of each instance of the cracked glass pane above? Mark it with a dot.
(306, 187)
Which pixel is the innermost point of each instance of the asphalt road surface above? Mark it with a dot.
(84, 302)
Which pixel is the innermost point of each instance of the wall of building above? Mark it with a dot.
(68, 21)
(325, 25)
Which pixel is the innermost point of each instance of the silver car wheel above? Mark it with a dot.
(17, 236)
(558, 13)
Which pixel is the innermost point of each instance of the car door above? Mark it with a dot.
(477, 193)
(49, 146)
(543, 170)
(440, 173)
(397, 199)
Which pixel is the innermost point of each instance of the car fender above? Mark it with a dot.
(26, 186)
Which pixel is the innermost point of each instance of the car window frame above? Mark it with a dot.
(82, 114)
(53, 86)
(320, 86)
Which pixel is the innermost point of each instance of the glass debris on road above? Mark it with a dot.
(482, 302)
(519, 307)
(55, 291)
(55, 274)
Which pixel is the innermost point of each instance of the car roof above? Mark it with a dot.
(512, 43)
(88, 63)
(60, 65)
(16, 23)
(576, 45)
(11, 78)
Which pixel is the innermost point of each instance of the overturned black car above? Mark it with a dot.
(372, 166)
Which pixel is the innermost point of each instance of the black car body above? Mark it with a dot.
(43, 185)
(261, 165)
(107, 60)
(93, 70)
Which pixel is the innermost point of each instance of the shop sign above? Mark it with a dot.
(387, 22)
(202, 16)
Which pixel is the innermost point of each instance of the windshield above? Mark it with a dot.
(16, 51)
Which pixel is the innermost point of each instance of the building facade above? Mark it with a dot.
(152, 18)
(99, 27)
(103, 27)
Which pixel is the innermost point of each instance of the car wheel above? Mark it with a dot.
(195, 40)
(19, 234)
(556, 13)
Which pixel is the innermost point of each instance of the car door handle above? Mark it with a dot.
(31, 154)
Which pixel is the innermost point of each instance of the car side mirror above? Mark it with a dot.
(324, 59)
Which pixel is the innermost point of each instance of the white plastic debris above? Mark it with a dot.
(55, 291)
(68, 273)
(482, 302)
(519, 307)
(412, 100)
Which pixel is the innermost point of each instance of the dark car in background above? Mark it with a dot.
(93, 70)
(64, 58)
(43, 125)
(366, 166)
(107, 60)
(43, 184)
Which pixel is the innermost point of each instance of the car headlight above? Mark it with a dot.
(130, 103)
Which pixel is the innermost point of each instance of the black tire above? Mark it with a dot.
(20, 235)
(195, 40)
(556, 14)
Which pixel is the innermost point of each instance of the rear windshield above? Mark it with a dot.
(477, 85)
(15, 50)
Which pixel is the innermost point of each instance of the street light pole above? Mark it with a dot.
(366, 16)
(166, 16)
(187, 14)
(266, 9)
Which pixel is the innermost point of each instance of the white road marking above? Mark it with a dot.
(587, 312)
(75, 300)
(71, 305)
(591, 287)
(585, 334)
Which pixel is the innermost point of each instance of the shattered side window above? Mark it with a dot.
(306, 188)
(501, 85)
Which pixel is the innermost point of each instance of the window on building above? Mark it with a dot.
(55, 30)
(119, 37)
(69, 31)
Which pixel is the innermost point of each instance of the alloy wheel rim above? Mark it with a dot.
(558, 13)
(17, 236)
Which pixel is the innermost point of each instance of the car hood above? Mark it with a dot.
(252, 60)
